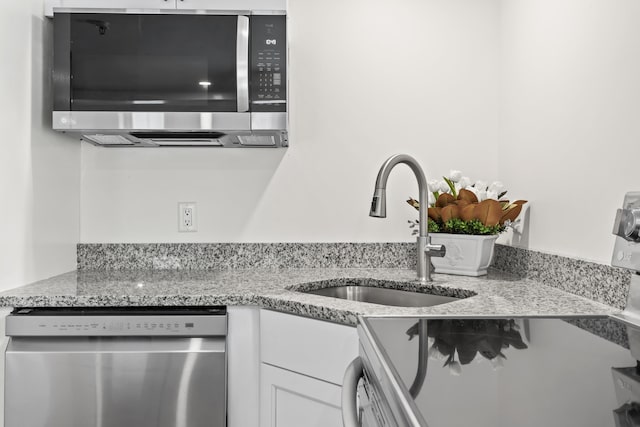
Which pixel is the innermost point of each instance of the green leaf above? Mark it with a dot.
(473, 227)
(451, 186)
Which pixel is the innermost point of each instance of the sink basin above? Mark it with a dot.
(384, 296)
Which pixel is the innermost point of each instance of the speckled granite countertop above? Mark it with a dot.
(496, 294)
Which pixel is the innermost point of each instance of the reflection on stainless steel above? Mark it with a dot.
(149, 101)
(376, 295)
(130, 121)
(562, 378)
(627, 415)
(99, 391)
(242, 63)
(469, 338)
(423, 358)
(268, 121)
(123, 128)
(83, 370)
(379, 209)
(185, 379)
(626, 381)
(114, 382)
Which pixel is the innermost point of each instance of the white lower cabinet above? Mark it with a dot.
(289, 399)
(302, 364)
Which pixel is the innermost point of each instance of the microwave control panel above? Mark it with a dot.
(268, 63)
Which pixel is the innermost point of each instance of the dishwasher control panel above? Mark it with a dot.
(124, 324)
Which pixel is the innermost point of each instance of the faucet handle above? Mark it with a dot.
(435, 250)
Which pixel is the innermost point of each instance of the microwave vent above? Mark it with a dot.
(108, 139)
(169, 142)
(257, 140)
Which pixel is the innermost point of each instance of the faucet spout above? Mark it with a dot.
(379, 203)
(379, 209)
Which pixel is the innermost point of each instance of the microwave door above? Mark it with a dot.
(147, 62)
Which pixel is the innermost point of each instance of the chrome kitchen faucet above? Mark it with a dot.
(379, 210)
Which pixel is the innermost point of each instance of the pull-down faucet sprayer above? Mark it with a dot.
(379, 209)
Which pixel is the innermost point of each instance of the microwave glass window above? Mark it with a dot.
(123, 62)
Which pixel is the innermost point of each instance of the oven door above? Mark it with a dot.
(115, 382)
(112, 62)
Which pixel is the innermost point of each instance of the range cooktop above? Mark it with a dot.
(503, 372)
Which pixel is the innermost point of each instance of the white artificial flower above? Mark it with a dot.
(481, 195)
(492, 195)
(434, 353)
(433, 185)
(497, 187)
(443, 186)
(497, 362)
(464, 182)
(455, 175)
(480, 185)
(432, 199)
(455, 368)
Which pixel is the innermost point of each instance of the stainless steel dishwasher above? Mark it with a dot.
(124, 367)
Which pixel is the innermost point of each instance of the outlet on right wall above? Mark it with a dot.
(570, 118)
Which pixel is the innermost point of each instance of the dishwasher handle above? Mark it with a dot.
(350, 394)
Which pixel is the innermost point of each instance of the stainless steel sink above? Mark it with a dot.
(384, 296)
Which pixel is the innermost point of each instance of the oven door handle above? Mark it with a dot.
(242, 63)
(350, 393)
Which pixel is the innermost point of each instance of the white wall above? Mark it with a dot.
(39, 170)
(369, 78)
(570, 139)
(539, 94)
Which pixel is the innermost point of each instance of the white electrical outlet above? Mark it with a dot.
(187, 216)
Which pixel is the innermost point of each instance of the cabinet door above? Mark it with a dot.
(288, 399)
(311, 347)
(232, 4)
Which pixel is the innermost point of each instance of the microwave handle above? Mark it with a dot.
(242, 63)
(352, 376)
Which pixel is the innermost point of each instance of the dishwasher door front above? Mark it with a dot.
(115, 382)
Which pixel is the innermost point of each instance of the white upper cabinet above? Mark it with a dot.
(165, 5)
(50, 5)
(255, 5)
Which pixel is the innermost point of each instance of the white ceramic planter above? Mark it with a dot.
(466, 255)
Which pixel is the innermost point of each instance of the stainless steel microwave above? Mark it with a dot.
(172, 79)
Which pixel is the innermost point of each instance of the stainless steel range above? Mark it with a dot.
(626, 253)
(491, 372)
(79, 367)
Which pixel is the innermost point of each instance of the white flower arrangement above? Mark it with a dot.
(455, 181)
(458, 205)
